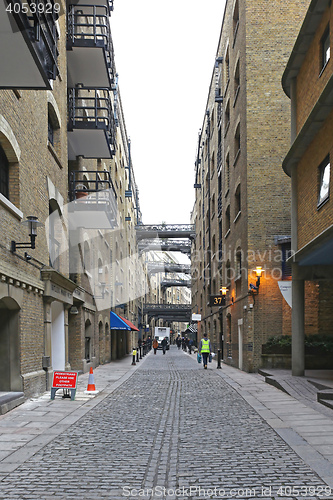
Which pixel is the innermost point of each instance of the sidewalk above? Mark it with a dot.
(305, 425)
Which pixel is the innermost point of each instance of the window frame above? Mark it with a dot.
(4, 173)
(324, 49)
(321, 172)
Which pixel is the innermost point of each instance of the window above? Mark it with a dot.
(227, 220)
(325, 48)
(54, 233)
(285, 266)
(50, 131)
(238, 271)
(237, 143)
(228, 271)
(238, 263)
(237, 201)
(236, 19)
(236, 82)
(324, 182)
(87, 348)
(4, 174)
(227, 117)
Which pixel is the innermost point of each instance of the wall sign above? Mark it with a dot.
(216, 300)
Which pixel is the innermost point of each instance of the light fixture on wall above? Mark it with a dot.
(32, 223)
(74, 310)
(224, 290)
(255, 288)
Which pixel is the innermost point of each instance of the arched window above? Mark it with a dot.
(4, 174)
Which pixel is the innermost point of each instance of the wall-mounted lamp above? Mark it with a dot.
(74, 310)
(224, 290)
(32, 223)
(258, 270)
(255, 288)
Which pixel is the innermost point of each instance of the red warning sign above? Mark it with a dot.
(64, 380)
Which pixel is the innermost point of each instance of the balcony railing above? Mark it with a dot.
(92, 194)
(29, 43)
(89, 27)
(91, 118)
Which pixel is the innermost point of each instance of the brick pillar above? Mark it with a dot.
(297, 349)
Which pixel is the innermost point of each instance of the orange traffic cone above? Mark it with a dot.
(91, 384)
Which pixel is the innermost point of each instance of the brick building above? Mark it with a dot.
(308, 82)
(242, 207)
(65, 160)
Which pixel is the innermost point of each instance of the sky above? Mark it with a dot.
(165, 55)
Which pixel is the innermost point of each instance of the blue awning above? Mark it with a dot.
(116, 323)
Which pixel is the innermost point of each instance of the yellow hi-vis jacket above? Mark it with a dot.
(205, 345)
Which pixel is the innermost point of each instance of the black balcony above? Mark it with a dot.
(91, 123)
(28, 48)
(90, 57)
(93, 200)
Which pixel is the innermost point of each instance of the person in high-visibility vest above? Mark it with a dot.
(205, 349)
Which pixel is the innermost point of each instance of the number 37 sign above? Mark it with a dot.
(216, 300)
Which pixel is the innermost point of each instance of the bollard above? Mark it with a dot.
(137, 356)
(219, 358)
(140, 351)
(134, 355)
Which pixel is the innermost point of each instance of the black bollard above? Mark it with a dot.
(134, 355)
(137, 356)
(140, 352)
(219, 358)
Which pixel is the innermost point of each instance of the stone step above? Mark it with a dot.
(10, 400)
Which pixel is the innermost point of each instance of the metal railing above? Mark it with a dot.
(94, 189)
(166, 227)
(90, 108)
(88, 26)
(38, 19)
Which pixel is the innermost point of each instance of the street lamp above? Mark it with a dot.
(32, 223)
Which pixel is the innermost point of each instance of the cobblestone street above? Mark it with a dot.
(170, 425)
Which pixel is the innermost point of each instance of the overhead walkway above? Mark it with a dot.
(183, 246)
(168, 312)
(154, 231)
(168, 282)
(165, 267)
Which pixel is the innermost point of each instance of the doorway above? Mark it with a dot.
(58, 335)
(10, 379)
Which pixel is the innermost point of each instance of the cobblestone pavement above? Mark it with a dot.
(172, 430)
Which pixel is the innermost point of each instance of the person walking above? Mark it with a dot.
(205, 350)
(155, 345)
(164, 344)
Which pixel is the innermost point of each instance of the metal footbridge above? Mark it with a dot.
(169, 238)
(165, 237)
(168, 312)
(166, 267)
